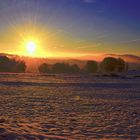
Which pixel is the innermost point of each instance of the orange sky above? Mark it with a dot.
(51, 43)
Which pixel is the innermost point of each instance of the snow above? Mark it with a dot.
(84, 107)
(133, 73)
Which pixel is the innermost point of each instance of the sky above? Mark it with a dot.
(67, 28)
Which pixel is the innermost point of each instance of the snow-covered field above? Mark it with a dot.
(57, 107)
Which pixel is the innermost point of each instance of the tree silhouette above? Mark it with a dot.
(111, 64)
(91, 67)
(61, 68)
(45, 68)
(121, 65)
(11, 65)
(5, 65)
(58, 68)
(74, 68)
(20, 66)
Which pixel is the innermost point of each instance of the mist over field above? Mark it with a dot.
(32, 63)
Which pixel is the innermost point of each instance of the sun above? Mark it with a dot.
(31, 46)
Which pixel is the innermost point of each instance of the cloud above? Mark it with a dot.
(131, 41)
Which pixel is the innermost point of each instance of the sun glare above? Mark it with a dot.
(31, 47)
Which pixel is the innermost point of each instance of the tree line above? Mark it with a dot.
(109, 64)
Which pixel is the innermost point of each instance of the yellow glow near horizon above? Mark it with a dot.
(39, 41)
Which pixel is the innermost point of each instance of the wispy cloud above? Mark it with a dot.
(131, 41)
